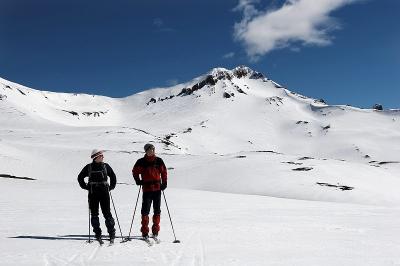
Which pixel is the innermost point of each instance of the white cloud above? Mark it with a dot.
(228, 55)
(295, 49)
(160, 25)
(172, 82)
(298, 21)
(158, 22)
(248, 9)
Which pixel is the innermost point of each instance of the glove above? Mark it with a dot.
(139, 182)
(163, 186)
(111, 188)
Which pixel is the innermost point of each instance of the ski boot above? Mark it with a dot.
(98, 239)
(112, 238)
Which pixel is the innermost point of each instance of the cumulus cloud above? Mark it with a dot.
(305, 22)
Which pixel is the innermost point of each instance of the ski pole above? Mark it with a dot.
(89, 219)
(166, 204)
(115, 213)
(133, 217)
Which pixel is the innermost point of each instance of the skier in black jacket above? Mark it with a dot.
(98, 189)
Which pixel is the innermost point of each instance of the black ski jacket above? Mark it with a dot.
(97, 175)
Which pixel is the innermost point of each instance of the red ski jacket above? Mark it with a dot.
(152, 170)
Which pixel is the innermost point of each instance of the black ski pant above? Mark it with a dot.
(151, 197)
(99, 195)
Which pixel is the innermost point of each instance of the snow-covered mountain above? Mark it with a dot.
(228, 131)
(237, 119)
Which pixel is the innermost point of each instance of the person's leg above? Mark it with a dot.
(94, 212)
(146, 203)
(105, 208)
(157, 211)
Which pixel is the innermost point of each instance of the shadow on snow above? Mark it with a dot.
(65, 237)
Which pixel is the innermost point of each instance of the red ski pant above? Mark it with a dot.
(150, 197)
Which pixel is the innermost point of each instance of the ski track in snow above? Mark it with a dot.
(192, 252)
(85, 257)
(210, 233)
(94, 253)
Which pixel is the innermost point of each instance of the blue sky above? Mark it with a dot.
(344, 51)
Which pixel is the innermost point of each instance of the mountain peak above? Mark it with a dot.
(238, 72)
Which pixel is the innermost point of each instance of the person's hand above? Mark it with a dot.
(163, 186)
(139, 182)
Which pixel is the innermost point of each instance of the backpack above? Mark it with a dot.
(103, 172)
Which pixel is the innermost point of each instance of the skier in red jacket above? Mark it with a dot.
(153, 179)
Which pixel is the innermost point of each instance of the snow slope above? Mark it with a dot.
(306, 181)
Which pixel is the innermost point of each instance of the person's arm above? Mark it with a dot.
(164, 174)
(113, 178)
(136, 171)
(81, 178)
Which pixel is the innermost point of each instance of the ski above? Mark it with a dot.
(141, 238)
(156, 239)
(148, 241)
(126, 239)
